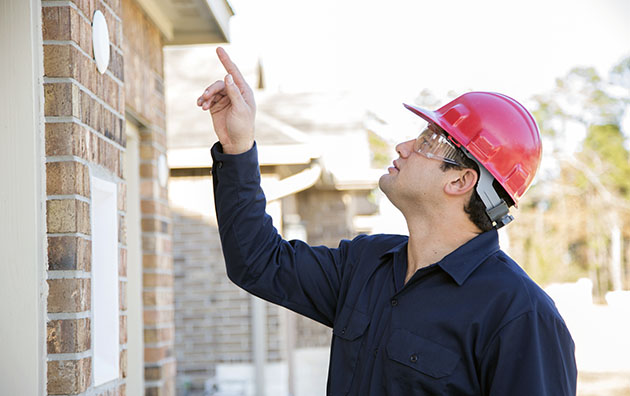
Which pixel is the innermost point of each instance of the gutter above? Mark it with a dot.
(307, 178)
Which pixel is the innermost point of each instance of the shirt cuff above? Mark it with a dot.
(241, 167)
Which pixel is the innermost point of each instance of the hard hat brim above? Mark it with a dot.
(427, 115)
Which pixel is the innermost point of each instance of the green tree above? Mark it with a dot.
(576, 217)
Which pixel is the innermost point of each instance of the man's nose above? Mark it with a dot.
(405, 148)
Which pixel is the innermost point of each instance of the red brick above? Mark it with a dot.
(108, 155)
(149, 188)
(160, 335)
(61, 99)
(59, 61)
(122, 262)
(123, 329)
(122, 296)
(153, 225)
(67, 177)
(154, 317)
(65, 23)
(56, 23)
(148, 171)
(82, 35)
(68, 295)
(64, 60)
(68, 139)
(116, 65)
(68, 336)
(91, 111)
(69, 376)
(87, 7)
(149, 152)
(157, 298)
(152, 207)
(154, 354)
(123, 364)
(157, 280)
(153, 135)
(67, 215)
(69, 253)
(122, 196)
(153, 373)
(122, 230)
(156, 261)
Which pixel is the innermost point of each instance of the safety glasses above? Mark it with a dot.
(435, 145)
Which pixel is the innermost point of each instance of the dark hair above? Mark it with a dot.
(475, 208)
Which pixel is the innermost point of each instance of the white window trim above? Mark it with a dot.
(105, 297)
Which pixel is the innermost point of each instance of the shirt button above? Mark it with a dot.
(394, 302)
(343, 331)
(413, 358)
(220, 164)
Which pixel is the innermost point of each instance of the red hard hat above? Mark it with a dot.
(498, 131)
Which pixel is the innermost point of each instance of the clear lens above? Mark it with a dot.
(435, 145)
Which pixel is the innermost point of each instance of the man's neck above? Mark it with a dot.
(431, 241)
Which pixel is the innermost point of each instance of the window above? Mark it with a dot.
(105, 319)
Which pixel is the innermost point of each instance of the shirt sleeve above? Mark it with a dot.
(293, 274)
(533, 354)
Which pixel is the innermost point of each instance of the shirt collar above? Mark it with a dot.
(461, 262)
(396, 248)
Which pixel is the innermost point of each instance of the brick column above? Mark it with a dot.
(144, 95)
(84, 113)
(157, 295)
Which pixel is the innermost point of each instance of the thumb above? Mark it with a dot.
(234, 93)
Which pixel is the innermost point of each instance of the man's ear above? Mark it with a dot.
(461, 182)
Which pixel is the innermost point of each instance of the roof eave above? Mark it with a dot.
(208, 24)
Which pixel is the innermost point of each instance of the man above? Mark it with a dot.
(441, 312)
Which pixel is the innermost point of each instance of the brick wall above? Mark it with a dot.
(212, 315)
(213, 318)
(144, 98)
(85, 117)
(84, 113)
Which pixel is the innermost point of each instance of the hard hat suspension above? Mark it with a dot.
(497, 209)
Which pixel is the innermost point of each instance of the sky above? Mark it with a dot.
(389, 51)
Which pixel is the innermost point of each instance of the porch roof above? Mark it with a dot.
(190, 21)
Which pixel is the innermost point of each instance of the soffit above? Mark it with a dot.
(190, 21)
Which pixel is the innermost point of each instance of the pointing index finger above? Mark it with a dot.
(230, 67)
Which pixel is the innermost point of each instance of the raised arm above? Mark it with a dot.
(293, 274)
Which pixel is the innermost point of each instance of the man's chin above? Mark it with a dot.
(382, 183)
(385, 185)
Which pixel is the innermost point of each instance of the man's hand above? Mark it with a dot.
(232, 107)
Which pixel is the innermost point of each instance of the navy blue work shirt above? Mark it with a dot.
(471, 324)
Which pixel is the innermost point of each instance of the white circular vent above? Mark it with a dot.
(100, 41)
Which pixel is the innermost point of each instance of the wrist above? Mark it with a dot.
(237, 148)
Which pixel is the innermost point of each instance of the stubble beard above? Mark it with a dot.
(385, 184)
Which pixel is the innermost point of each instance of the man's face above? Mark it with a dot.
(412, 178)
(415, 176)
